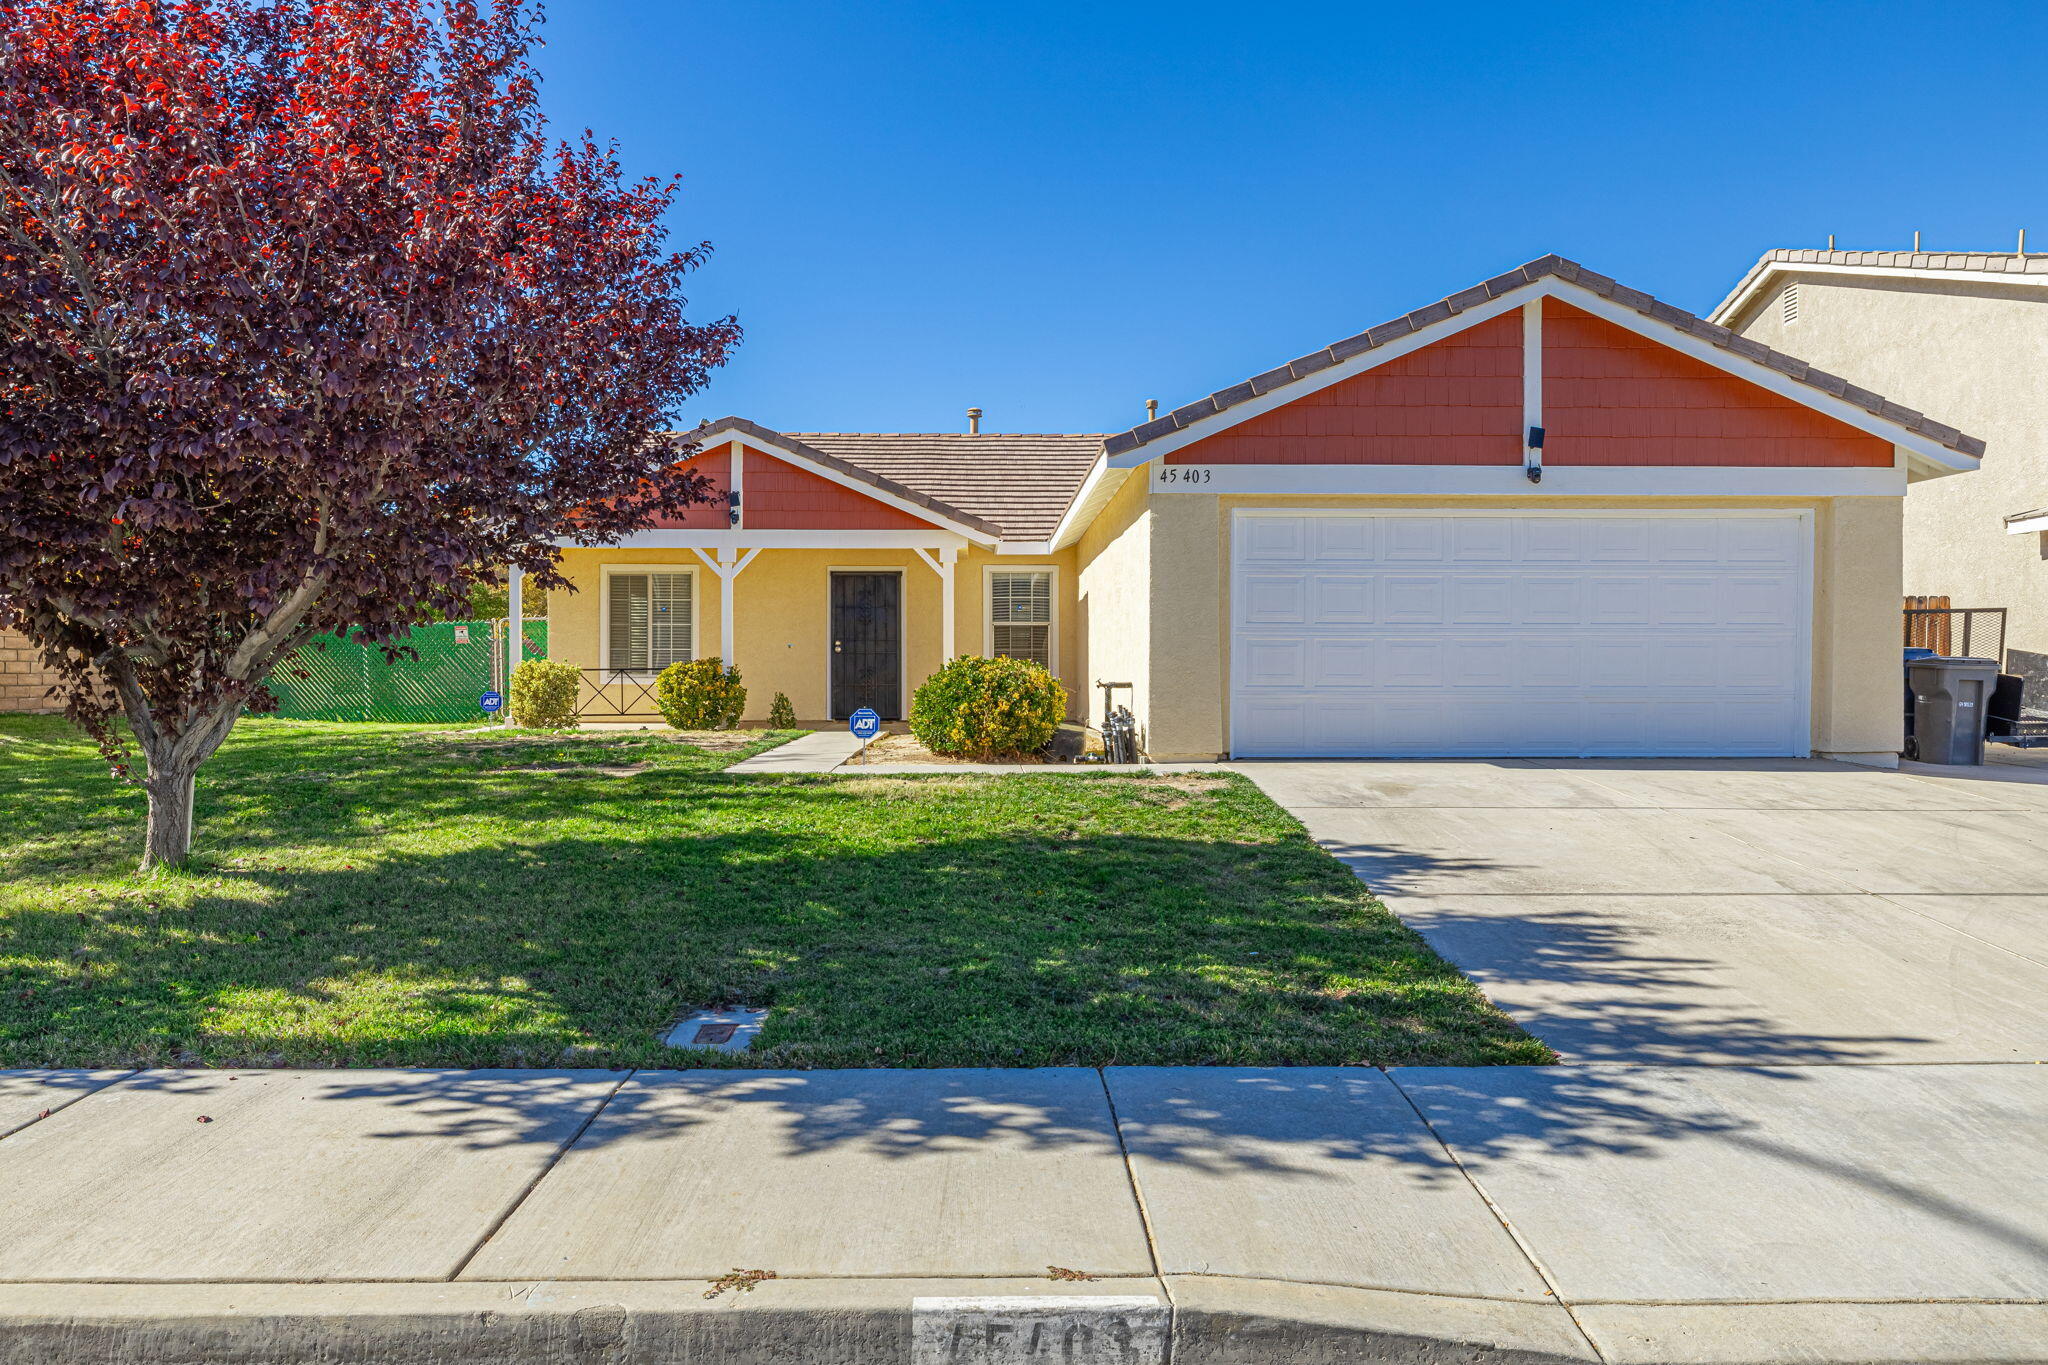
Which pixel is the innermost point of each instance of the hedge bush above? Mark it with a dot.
(543, 694)
(702, 694)
(781, 715)
(987, 708)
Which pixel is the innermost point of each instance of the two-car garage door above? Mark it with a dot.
(1519, 633)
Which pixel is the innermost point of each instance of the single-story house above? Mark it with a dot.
(1548, 515)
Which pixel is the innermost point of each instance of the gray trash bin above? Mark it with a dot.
(1951, 698)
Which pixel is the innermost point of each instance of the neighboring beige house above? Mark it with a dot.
(1548, 515)
(1964, 334)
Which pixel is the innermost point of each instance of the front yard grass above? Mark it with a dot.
(438, 896)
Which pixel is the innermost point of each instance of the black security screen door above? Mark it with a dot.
(867, 644)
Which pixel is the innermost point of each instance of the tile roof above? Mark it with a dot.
(1020, 484)
(1545, 267)
(873, 478)
(2006, 262)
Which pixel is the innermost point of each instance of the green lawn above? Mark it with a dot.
(433, 895)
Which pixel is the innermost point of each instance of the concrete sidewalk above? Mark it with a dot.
(1614, 1213)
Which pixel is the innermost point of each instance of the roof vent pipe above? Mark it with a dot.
(1151, 409)
(974, 421)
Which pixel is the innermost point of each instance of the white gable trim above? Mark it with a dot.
(730, 435)
(1932, 456)
(1764, 276)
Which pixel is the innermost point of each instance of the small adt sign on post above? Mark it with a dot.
(865, 723)
(492, 702)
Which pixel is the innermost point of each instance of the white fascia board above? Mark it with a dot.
(882, 495)
(1509, 480)
(1089, 483)
(1765, 274)
(2025, 525)
(1934, 457)
(680, 539)
(1322, 379)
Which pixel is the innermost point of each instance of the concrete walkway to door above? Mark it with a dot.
(1693, 911)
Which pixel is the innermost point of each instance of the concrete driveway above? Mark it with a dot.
(1678, 911)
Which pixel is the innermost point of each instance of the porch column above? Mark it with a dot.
(515, 631)
(725, 576)
(943, 566)
(727, 566)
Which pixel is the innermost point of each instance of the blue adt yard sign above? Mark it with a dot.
(491, 702)
(865, 723)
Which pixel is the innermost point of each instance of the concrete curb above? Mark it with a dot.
(1214, 1321)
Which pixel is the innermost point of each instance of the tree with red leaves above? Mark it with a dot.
(305, 325)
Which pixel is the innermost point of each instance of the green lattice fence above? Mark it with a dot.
(347, 681)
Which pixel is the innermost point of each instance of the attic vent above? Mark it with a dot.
(1788, 304)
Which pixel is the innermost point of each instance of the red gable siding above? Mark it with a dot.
(778, 496)
(1614, 397)
(716, 465)
(1456, 401)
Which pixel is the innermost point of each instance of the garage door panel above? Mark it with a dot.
(1275, 599)
(1413, 663)
(1614, 541)
(1548, 601)
(1482, 540)
(1538, 635)
(1273, 663)
(1341, 663)
(1339, 540)
(1341, 599)
(1411, 540)
(1617, 600)
(1274, 539)
(1487, 600)
(1547, 662)
(1413, 599)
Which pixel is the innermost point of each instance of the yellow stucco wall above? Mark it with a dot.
(781, 616)
(1114, 576)
(1186, 536)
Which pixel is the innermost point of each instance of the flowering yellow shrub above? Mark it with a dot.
(543, 694)
(987, 708)
(702, 694)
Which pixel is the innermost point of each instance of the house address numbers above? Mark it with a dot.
(1185, 475)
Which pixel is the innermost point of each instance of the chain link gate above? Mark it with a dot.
(333, 678)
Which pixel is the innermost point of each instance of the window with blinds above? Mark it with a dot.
(1020, 615)
(651, 616)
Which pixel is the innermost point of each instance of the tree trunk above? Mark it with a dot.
(169, 838)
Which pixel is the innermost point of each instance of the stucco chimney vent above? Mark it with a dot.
(974, 421)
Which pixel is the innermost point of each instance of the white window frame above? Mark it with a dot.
(988, 623)
(604, 613)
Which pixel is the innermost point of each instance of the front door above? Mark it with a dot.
(867, 644)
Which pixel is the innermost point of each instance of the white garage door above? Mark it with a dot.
(1520, 633)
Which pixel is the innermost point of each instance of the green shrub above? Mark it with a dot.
(781, 715)
(987, 708)
(543, 694)
(702, 694)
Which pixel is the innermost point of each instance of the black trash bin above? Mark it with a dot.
(1951, 698)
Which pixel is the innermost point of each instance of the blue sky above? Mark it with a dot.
(1055, 211)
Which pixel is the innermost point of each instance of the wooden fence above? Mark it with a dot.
(1928, 632)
